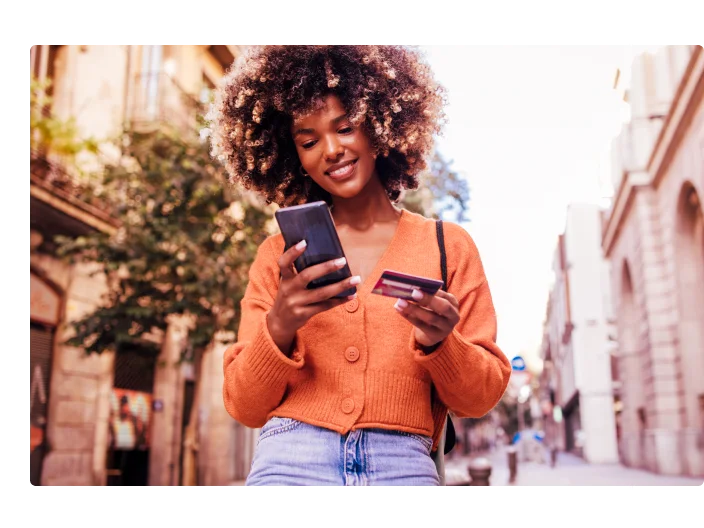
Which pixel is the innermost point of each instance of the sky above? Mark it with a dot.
(530, 127)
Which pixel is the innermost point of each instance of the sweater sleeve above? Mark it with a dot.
(469, 370)
(256, 371)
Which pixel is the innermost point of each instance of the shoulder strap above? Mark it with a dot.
(449, 436)
(443, 256)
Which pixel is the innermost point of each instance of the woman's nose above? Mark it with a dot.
(333, 147)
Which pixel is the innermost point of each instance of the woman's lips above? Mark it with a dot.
(344, 172)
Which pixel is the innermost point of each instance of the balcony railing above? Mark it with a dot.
(52, 176)
(157, 99)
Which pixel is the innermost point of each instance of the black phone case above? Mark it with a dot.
(313, 222)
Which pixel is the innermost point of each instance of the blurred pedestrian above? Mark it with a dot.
(125, 426)
(356, 390)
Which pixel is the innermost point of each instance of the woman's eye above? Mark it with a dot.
(345, 130)
(308, 144)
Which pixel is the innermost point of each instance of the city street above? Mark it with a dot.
(570, 470)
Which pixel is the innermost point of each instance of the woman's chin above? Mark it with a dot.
(346, 192)
(344, 189)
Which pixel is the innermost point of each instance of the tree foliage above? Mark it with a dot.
(443, 192)
(50, 135)
(184, 246)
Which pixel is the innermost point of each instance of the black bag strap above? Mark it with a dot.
(443, 256)
(450, 436)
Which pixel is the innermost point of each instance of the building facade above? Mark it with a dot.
(576, 348)
(653, 237)
(127, 418)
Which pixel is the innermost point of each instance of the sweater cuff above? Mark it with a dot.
(268, 363)
(446, 363)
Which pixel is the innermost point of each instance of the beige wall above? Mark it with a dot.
(226, 447)
(90, 86)
(80, 388)
(79, 394)
(660, 326)
(589, 339)
(683, 256)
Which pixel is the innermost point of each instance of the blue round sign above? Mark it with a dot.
(518, 363)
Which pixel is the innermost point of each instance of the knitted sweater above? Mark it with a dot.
(358, 365)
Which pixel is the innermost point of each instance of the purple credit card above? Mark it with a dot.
(401, 285)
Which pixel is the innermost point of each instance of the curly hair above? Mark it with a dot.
(388, 90)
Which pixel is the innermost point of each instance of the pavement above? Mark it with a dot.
(570, 470)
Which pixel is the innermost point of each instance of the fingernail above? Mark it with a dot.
(400, 304)
(301, 244)
(340, 262)
(417, 295)
(356, 279)
(351, 297)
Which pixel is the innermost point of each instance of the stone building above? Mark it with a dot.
(130, 418)
(576, 348)
(653, 237)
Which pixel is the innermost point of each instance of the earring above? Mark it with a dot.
(302, 171)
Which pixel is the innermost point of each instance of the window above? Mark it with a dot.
(35, 53)
(614, 369)
(151, 65)
(42, 61)
(207, 89)
(642, 419)
(134, 369)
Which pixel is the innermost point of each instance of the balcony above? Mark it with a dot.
(156, 100)
(59, 203)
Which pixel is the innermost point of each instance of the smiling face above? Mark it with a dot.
(335, 153)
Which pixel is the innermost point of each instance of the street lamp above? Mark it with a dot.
(523, 396)
(524, 393)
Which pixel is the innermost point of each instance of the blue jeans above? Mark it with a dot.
(293, 453)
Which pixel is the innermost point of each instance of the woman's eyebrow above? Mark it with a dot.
(300, 131)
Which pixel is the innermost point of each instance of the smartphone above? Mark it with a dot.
(401, 285)
(313, 223)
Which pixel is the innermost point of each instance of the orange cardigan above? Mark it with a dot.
(357, 365)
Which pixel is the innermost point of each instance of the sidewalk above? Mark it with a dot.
(570, 470)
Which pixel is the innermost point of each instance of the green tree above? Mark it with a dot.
(442, 190)
(50, 135)
(184, 246)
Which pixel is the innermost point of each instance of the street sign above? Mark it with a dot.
(518, 364)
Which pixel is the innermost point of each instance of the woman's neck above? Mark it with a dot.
(368, 207)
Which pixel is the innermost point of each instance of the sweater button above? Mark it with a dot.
(352, 305)
(347, 405)
(352, 354)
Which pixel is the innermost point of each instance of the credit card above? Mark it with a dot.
(401, 285)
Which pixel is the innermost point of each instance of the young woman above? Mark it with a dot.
(350, 391)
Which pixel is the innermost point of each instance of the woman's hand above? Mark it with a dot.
(434, 316)
(295, 304)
